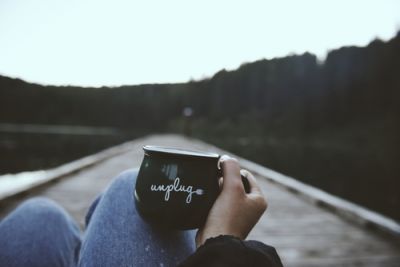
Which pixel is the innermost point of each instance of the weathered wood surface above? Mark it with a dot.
(303, 233)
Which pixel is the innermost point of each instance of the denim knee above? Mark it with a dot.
(39, 232)
(38, 201)
(41, 209)
(42, 206)
(126, 178)
(123, 181)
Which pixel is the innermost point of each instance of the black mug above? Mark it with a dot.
(176, 188)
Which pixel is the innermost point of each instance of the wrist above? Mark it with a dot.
(202, 238)
(218, 239)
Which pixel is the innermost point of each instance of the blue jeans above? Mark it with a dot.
(40, 233)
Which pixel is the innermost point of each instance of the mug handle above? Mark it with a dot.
(246, 184)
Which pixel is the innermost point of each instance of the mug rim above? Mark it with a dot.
(154, 150)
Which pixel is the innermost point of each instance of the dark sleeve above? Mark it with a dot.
(230, 251)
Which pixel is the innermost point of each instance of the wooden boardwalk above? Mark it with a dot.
(304, 234)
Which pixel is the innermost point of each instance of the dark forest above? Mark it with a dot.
(332, 124)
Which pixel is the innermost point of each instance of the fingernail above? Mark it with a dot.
(223, 158)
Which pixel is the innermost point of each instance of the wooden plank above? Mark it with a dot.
(344, 208)
(51, 175)
(304, 234)
(372, 261)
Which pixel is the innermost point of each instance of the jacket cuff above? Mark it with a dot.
(226, 250)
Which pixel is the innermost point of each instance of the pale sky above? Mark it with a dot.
(116, 42)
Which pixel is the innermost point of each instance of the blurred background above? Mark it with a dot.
(308, 88)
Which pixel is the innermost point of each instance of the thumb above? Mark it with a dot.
(232, 181)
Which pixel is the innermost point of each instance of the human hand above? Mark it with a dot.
(234, 212)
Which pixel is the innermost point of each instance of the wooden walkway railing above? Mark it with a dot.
(307, 226)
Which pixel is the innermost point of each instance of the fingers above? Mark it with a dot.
(232, 181)
(254, 187)
(256, 193)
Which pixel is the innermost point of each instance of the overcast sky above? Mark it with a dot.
(94, 42)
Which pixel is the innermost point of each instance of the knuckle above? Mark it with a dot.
(231, 167)
(231, 161)
(262, 203)
(249, 174)
(238, 187)
(245, 172)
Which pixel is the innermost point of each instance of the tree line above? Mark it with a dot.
(307, 118)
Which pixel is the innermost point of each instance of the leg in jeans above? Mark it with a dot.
(116, 235)
(39, 233)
